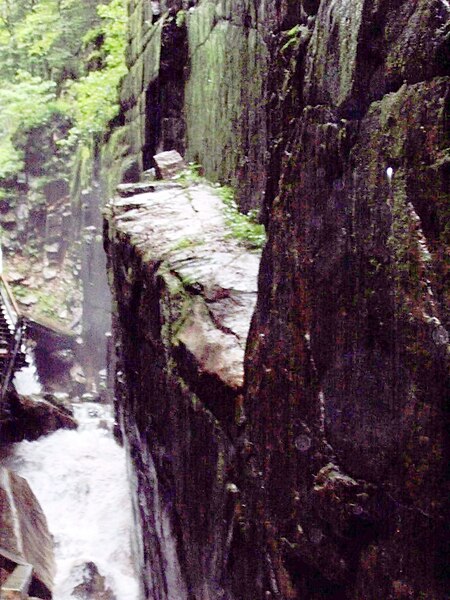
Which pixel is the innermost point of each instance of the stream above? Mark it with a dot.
(79, 477)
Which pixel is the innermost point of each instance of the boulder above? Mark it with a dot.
(169, 163)
(33, 416)
(92, 585)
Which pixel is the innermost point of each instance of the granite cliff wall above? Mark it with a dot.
(347, 420)
(332, 458)
(197, 83)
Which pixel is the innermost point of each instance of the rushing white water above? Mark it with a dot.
(79, 477)
(26, 381)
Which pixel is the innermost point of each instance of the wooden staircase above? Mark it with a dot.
(12, 329)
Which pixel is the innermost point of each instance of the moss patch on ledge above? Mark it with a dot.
(244, 227)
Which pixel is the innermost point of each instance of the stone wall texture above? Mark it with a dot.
(333, 116)
(197, 84)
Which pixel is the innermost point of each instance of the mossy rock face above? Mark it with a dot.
(197, 84)
(225, 96)
(337, 110)
(360, 52)
(117, 165)
(352, 329)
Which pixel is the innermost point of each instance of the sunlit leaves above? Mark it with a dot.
(41, 27)
(24, 102)
(44, 68)
(95, 96)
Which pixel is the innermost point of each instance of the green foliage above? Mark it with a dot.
(244, 227)
(47, 303)
(24, 103)
(46, 69)
(180, 19)
(37, 33)
(95, 95)
(44, 37)
(192, 174)
(291, 37)
(10, 159)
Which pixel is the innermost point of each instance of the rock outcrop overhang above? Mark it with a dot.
(181, 233)
(184, 291)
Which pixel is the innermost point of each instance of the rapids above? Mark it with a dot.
(80, 479)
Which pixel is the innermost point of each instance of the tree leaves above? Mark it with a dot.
(46, 66)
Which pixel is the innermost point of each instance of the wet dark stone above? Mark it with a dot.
(92, 586)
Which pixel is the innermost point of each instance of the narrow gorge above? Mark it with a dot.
(274, 189)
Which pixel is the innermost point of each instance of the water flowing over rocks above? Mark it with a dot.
(31, 417)
(79, 477)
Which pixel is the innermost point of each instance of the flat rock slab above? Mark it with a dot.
(183, 229)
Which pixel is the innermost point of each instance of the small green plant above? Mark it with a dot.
(48, 304)
(19, 291)
(180, 19)
(291, 37)
(190, 175)
(185, 243)
(244, 227)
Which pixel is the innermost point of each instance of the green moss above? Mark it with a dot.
(176, 306)
(82, 176)
(243, 227)
(115, 160)
(226, 61)
(185, 243)
(192, 175)
(47, 303)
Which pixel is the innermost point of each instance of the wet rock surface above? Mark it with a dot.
(184, 291)
(336, 468)
(92, 585)
(346, 371)
(175, 231)
(196, 74)
(31, 417)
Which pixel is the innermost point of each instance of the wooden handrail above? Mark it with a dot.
(13, 351)
(10, 295)
(18, 583)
